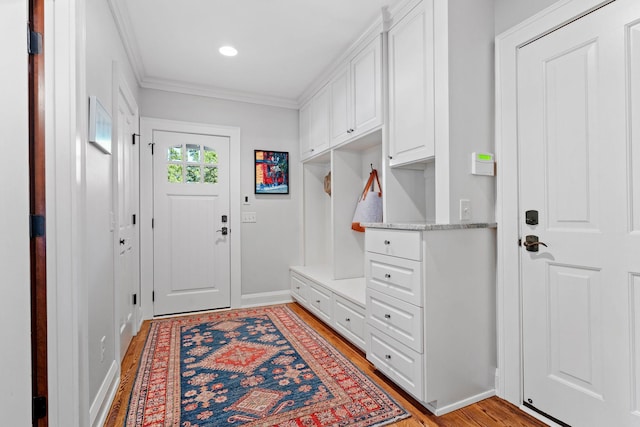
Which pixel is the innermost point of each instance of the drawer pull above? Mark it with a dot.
(387, 242)
(387, 316)
(317, 301)
(298, 287)
(387, 276)
(347, 319)
(387, 356)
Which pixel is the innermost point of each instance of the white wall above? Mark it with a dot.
(103, 47)
(471, 115)
(511, 12)
(272, 244)
(15, 333)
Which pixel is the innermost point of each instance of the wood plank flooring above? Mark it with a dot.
(489, 412)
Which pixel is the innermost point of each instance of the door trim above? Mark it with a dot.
(147, 125)
(509, 315)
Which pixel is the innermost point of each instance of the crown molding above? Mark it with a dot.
(373, 31)
(214, 92)
(123, 24)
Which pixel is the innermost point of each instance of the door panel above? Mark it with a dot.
(633, 62)
(127, 268)
(575, 140)
(191, 196)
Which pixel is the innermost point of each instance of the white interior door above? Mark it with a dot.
(128, 259)
(191, 211)
(575, 142)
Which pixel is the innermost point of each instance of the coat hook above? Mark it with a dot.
(371, 167)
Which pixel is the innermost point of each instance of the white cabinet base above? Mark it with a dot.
(338, 303)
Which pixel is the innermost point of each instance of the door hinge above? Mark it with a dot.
(39, 407)
(37, 225)
(135, 299)
(133, 219)
(519, 242)
(153, 296)
(153, 222)
(34, 41)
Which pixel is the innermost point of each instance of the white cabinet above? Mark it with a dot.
(314, 125)
(338, 303)
(431, 312)
(411, 87)
(366, 89)
(340, 122)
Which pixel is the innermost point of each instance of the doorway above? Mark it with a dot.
(190, 228)
(567, 291)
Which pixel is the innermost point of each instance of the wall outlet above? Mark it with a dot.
(465, 210)
(102, 348)
(248, 217)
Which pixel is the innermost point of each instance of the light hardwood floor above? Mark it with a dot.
(489, 412)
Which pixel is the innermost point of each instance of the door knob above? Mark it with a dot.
(532, 244)
(223, 230)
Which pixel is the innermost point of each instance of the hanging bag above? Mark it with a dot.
(369, 207)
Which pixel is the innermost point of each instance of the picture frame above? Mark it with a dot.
(99, 125)
(271, 172)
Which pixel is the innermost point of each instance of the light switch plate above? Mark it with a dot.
(465, 210)
(248, 217)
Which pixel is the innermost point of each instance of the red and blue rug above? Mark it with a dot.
(252, 367)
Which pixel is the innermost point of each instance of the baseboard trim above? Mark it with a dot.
(461, 403)
(101, 404)
(266, 298)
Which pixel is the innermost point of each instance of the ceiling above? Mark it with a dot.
(284, 45)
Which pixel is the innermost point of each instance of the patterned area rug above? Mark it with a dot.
(253, 367)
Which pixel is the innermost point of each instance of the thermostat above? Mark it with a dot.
(482, 164)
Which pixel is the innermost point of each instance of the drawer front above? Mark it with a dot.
(398, 319)
(350, 321)
(299, 289)
(398, 362)
(320, 302)
(398, 277)
(398, 243)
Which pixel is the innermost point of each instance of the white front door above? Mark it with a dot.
(578, 147)
(127, 271)
(191, 222)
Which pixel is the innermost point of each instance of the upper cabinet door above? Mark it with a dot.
(319, 121)
(366, 88)
(340, 107)
(411, 92)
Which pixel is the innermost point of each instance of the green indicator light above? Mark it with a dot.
(485, 157)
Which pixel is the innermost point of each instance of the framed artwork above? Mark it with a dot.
(99, 125)
(271, 172)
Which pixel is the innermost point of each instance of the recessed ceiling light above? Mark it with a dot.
(228, 51)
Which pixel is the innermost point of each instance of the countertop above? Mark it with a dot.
(421, 226)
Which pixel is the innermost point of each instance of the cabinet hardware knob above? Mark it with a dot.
(347, 319)
(390, 157)
(122, 242)
(351, 130)
(387, 316)
(387, 356)
(318, 301)
(298, 287)
(387, 276)
(387, 242)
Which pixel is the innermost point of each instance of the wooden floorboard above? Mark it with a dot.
(487, 413)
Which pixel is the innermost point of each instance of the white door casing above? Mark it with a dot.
(149, 128)
(572, 141)
(127, 242)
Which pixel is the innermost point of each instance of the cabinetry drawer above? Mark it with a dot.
(319, 300)
(398, 243)
(299, 289)
(399, 319)
(349, 320)
(398, 277)
(401, 364)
